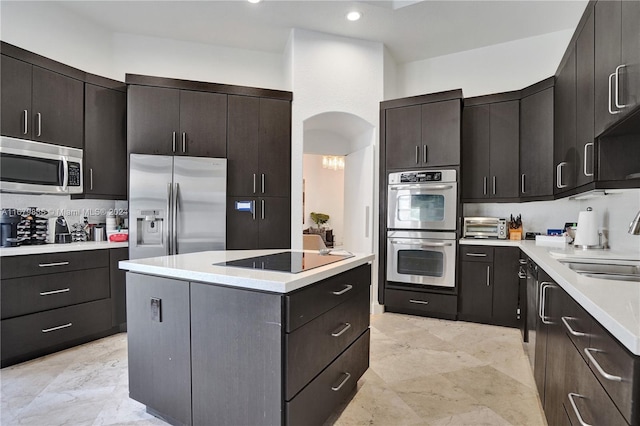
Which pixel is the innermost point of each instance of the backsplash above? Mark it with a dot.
(61, 205)
(615, 212)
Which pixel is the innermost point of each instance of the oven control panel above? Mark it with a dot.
(423, 176)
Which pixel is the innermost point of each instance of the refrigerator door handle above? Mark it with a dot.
(175, 219)
(167, 222)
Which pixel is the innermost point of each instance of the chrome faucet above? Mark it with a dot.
(634, 227)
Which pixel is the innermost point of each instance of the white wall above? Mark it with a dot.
(324, 193)
(358, 200)
(615, 211)
(497, 68)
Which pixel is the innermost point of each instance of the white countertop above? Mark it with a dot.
(200, 267)
(60, 248)
(614, 304)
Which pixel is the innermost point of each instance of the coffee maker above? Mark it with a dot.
(9, 220)
(62, 231)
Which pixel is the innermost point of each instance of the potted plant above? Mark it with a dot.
(319, 219)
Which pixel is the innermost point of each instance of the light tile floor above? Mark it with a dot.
(423, 372)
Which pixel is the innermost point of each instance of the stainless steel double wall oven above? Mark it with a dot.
(421, 224)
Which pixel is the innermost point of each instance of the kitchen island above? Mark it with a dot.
(217, 344)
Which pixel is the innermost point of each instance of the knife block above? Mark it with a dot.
(515, 233)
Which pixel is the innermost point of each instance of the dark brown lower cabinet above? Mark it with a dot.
(118, 283)
(208, 354)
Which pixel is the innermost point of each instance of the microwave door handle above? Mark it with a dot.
(65, 173)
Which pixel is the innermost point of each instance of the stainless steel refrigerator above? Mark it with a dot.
(176, 205)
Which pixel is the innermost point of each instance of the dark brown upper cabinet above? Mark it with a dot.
(40, 104)
(105, 151)
(423, 131)
(259, 147)
(491, 131)
(617, 61)
(585, 102)
(536, 141)
(565, 154)
(170, 121)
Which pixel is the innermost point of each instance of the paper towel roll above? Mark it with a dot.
(587, 232)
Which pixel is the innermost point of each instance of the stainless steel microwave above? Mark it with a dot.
(484, 227)
(39, 168)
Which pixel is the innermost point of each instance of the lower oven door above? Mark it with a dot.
(424, 258)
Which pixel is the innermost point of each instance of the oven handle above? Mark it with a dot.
(421, 244)
(425, 186)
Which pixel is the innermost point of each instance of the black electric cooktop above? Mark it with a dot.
(287, 261)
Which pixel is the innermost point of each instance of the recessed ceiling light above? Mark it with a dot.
(254, 1)
(354, 16)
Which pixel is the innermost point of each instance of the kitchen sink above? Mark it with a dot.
(612, 270)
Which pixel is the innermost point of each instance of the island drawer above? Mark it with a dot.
(49, 263)
(617, 370)
(307, 303)
(420, 302)
(21, 296)
(35, 333)
(316, 402)
(312, 347)
(476, 253)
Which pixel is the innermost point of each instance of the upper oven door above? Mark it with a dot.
(425, 206)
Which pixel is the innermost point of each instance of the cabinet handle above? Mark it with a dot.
(611, 111)
(262, 208)
(262, 182)
(598, 367)
(417, 154)
(424, 153)
(184, 142)
(522, 184)
(522, 261)
(26, 122)
(559, 175)
(488, 276)
(543, 295)
(91, 179)
(484, 186)
(343, 291)
(494, 185)
(575, 408)
(60, 327)
(346, 379)
(254, 183)
(46, 265)
(586, 146)
(476, 254)
(253, 209)
(342, 331)
(419, 302)
(48, 293)
(617, 97)
(173, 138)
(39, 124)
(522, 275)
(571, 330)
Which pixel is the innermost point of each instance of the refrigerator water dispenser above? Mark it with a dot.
(150, 228)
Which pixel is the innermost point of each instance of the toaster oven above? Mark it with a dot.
(485, 227)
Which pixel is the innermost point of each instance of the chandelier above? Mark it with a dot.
(332, 162)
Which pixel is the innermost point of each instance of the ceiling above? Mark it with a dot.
(411, 30)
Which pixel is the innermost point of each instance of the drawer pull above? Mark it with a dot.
(598, 367)
(47, 293)
(419, 302)
(60, 327)
(341, 332)
(346, 379)
(477, 254)
(343, 291)
(575, 408)
(46, 265)
(571, 330)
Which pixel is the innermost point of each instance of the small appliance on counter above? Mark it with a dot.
(9, 220)
(485, 227)
(62, 231)
(32, 229)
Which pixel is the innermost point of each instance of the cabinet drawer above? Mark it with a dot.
(21, 296)
(326, 392)
(618, 372)
(476, 254)
(308, 303)
(577, 323)
(40, 264)
(421, 302)
(37, 332)
(312, 347)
